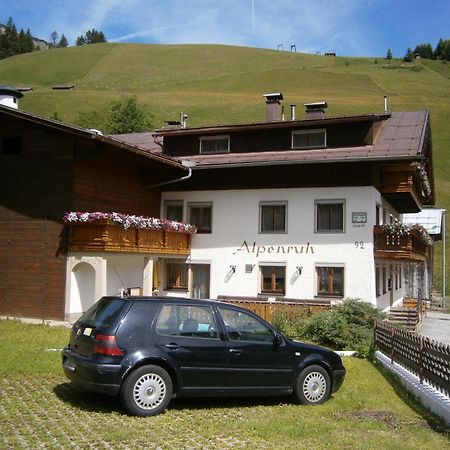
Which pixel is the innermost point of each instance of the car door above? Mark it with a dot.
(255, 361)
(189, 335)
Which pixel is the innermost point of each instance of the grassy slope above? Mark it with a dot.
(223, 84)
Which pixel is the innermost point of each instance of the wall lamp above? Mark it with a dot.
(299, 269)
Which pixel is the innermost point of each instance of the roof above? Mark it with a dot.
(144, 141)
(91, 134)
(430, 218)
(401, 137)
(9, 90)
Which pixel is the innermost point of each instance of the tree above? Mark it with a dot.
(409, 56)
(91, 37)
(54, 38)
(80, 40)
(389, 54)
(127, 116)
(63, 42)
(424, 51)
(124, 116)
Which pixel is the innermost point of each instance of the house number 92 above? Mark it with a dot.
(359, 244)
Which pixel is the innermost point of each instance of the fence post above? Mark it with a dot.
(392, 344)
(421, 359)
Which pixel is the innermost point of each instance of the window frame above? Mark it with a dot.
(273, 204)
(309, 132)
(333, 293)
(273, 279)
(169, 203)
(218, 137)
(200, 227)
(318, 203)
(179, 284)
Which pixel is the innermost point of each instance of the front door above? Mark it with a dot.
(200, 280)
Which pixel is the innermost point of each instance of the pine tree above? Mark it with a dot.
(389, 54)
(63, 42)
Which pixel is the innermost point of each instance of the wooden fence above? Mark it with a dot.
(268, 310)
(428, 359)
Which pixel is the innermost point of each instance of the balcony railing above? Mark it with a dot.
(108, 236)
(401, 187)
(399, 246)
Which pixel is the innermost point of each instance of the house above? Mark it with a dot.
(303, 209)
(48, 168)
(295, 209)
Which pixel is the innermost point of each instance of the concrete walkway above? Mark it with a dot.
(436, 326)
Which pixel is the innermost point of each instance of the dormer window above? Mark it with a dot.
(309, 138)
(214, 144)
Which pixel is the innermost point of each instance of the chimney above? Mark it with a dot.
(315, 110)
(9, 96)
(183, 120)
(274, 108)
(293, 105)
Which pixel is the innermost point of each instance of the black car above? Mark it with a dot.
(148, 350)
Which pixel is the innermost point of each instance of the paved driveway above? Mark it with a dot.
(436, 325)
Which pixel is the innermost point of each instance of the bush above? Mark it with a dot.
(348, 326)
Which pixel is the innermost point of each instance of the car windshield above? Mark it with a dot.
(103, 313)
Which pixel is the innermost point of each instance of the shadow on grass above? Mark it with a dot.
(95, 402)
(86, 400)
(435, 422)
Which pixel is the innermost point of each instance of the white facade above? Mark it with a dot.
(236, 249)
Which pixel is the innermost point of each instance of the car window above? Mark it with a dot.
(244, 327)
(185, 320)
(103, 313)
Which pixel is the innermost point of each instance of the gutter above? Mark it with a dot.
(185, 163)
(297, 162)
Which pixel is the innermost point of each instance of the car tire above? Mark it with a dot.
(313, 386)
(147, 391)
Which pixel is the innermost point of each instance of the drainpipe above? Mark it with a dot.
(185, 163)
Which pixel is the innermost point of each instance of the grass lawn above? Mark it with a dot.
(40, 409)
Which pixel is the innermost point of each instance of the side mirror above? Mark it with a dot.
(277, 340)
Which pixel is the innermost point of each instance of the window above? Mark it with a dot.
(384, 280)
(272, 217)
(273, 279)
(215, 144)
(176, 275)
(244, 327)
(309, 139)
(200, 215)
(174, 210)
(187, 321)
(11, 146)
(330, 216)
(377, 281)
(330, 281)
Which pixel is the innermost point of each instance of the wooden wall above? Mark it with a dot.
(56, 172)
(35, 191)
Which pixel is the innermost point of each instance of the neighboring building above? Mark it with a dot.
(47, 169)
(285, 209)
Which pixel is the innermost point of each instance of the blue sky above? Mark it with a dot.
(347, 27)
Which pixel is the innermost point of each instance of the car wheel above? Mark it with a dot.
(146, 391)
(313, 386)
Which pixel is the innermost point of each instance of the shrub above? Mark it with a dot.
(348, 326)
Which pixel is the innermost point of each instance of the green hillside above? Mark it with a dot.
(222, 84)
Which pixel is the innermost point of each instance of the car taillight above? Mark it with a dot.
(105, 344)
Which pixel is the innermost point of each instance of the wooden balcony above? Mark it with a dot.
(408, 247)
(107, 236)
(401, 188)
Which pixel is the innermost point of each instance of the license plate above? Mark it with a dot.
(70, 365)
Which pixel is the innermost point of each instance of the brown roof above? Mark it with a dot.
(401, 137)
(92, 134)
(144, 141)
